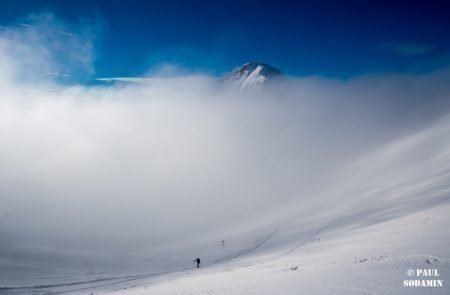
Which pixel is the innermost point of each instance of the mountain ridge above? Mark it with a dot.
(251, 75)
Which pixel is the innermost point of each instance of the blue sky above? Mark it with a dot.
(329, 38)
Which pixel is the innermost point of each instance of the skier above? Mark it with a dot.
(198, 262)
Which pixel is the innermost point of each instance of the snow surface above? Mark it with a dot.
(393, 215)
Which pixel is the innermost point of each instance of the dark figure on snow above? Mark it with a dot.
(198, 262)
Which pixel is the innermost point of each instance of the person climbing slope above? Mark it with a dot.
(198, 262)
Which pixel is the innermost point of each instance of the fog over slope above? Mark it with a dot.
(89, 170)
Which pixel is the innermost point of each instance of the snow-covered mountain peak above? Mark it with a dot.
(251, 75)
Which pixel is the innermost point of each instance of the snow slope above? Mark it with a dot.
(394, 216)
(382, 214)
(373, 260)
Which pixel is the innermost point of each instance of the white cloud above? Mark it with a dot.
(108, 168)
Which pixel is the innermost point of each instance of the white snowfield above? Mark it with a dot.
(382, 227)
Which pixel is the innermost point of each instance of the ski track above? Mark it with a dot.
(320, 230)
(120, 279)
(109, 281)
(246, 251)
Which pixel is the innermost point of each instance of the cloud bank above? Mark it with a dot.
(119, 168)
